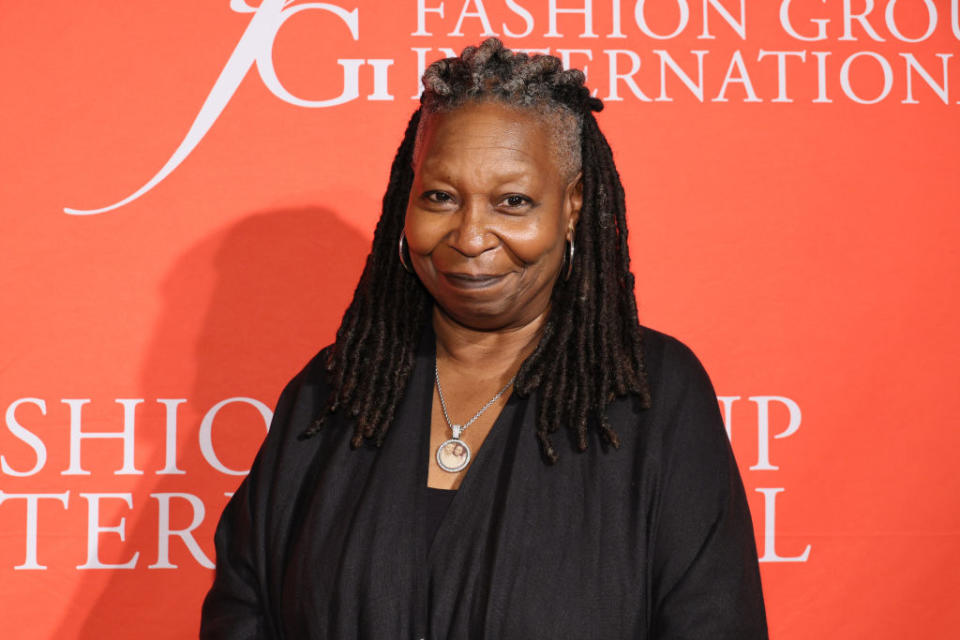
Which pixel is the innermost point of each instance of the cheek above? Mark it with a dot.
(536, 242)
(423, 232)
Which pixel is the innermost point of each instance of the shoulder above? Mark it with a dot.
(309, 385)
(284, 458)
(683, 404)
(301, 401)
(672, 368)
(684, 417)
(313, 374)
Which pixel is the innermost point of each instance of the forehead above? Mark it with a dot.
(485, 131)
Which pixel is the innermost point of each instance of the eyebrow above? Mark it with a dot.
(511, 171)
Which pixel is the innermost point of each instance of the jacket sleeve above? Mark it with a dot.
(237, 605)
(706, 578)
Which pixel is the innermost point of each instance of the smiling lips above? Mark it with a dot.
(471, 280)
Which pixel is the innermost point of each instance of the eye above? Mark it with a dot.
(516, 201)
(438, 197)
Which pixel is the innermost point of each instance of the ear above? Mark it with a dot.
(573, 202)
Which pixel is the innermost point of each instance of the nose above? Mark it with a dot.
(472, 234)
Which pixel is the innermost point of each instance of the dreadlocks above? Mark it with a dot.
(590, 350)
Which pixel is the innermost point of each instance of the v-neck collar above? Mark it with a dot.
(483, 465)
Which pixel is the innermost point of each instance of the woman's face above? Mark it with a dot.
(488, 215)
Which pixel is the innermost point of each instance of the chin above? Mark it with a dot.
(480, 317)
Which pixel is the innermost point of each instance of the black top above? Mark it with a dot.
(438, 501)
(651, 540)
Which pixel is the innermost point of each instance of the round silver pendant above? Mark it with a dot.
(453, 455)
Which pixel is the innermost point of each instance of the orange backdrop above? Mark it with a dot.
(791, 173)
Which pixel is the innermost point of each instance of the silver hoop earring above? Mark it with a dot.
(400, 249)
(570, 251)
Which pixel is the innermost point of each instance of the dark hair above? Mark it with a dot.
(590, 351)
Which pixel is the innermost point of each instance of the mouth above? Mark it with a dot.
(472, 281)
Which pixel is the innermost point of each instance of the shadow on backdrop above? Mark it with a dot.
(243, 311)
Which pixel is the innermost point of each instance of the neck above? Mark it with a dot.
(498, 352)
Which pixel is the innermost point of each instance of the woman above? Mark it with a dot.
(494, 447)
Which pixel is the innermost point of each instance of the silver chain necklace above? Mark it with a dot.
(453, 455)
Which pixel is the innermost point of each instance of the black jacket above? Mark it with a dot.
(649, 541)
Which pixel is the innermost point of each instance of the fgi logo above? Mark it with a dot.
(256, 48)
